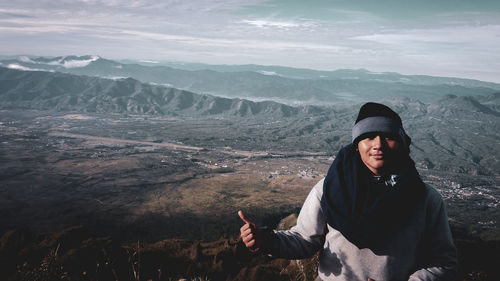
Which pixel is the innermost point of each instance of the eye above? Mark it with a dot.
(371, 136)
(388, 137)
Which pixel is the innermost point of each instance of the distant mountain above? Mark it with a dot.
(49, 64)
(285, 85)
(455, 133)
(68, 92)
(303, 73)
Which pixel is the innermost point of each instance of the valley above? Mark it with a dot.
(149, 178)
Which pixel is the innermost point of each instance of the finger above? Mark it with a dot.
(247, 238)
(247, 232)
(245, 218)
(245, 227)
(250, 244)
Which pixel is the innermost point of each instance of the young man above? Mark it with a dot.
(371, 217)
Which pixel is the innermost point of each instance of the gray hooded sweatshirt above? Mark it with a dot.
(396, 259)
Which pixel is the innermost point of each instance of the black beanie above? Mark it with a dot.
(371, 109)
(376, 117)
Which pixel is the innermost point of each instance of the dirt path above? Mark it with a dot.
(231, 152)
(158, 144)
(125, 141)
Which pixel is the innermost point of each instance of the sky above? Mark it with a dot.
(452, 38)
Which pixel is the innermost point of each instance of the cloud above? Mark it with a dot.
(79, 63)
(60, 61)
(271, 45)
(445, 35)
(36, 30)
(262, 23)
(270, 73)
(149, 61)
(23, 68)
(46, 22)
(318, 34)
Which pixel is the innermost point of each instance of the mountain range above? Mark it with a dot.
(453, 133)
(67, 92)
(254, 82)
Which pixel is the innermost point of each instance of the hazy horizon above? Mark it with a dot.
(449, 39)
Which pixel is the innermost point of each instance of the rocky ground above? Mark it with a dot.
(76, 254)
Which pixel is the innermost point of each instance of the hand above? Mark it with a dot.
(250, 233)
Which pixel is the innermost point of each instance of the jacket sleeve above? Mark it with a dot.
(440, 255)
(308, 236)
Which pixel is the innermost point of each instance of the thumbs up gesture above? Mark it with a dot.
(251, 235)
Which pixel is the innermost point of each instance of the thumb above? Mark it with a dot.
(245, 218)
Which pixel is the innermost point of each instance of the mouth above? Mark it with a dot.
(378, 156)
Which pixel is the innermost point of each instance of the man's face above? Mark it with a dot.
(378, 151)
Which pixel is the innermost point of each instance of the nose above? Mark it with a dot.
(377, 142)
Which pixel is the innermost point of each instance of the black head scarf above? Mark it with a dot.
(351, 205)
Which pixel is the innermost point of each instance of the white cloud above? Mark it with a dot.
(453, 34)
(262, 23)
(62, 61)
(149, 61)
(238, 43)
(270, 73)
(79, 63)
(36, 30)
(116, 77)
(53, 62)
(23, 68)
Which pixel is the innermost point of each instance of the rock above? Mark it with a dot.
(287, 222)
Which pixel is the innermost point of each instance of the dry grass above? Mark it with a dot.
(222, 193)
